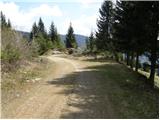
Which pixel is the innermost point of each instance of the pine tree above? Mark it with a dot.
(53, 33)
(124, 29)
(104, 25)
(3, 20)
(91, 42)
(70, 38)
(55, 37)
(41, 28)
(34, 31)
(152, 31)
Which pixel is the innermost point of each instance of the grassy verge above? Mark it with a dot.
(156, 81)
(130, 95)
(16, 82)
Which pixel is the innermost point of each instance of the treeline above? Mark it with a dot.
(131, 28)
(44, 40)
(16, 48)
(51, 40)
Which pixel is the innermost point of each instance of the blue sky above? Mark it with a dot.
(82, 14)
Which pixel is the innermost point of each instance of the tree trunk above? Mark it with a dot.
(131, 61)
(127, 58)
(137, 61)
(153, 66)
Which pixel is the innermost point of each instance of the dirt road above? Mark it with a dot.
(70, 90)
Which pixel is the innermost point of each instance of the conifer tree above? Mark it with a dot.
(34, 31)
(91, 42)
(3, 20)
(53, 33)
(104, 25)
(70, 38)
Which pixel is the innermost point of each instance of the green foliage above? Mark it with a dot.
(91, 43)
(4, 23)
(104, 25)
(10, 54)
(14, 49)
(43, 44)
(70, 38)
(55, 38)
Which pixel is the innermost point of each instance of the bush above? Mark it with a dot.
(14, 48)
(42, 44)
(10, 54)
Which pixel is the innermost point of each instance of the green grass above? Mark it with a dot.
(127, 90)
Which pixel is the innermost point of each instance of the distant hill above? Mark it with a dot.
(25, 34)
(81, 39)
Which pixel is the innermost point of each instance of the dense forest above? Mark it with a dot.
(128, 27)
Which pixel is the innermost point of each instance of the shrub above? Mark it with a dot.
(14, 48)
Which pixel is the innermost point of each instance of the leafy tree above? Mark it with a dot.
(70, 38)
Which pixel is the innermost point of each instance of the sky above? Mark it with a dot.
(82, 14)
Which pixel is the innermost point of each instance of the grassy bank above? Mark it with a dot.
(130, 95)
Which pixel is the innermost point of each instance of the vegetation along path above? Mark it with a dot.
(82, 88)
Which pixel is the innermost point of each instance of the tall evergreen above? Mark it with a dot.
(70, 38)
(41, 26)
(152, 31)
(104, 25)
(4, 23)
(136, 30)
(91, 42)
(53, 33)
(41, 29)
(34, 31)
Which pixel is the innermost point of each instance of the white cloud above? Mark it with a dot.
(23, 20)
(89, 3)
(82, 25)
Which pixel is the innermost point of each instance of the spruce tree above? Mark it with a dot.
(91, 42)
(3, 20)
(152, 31)
(70, 38)
(34, 31)
(104, 25)
(41, 29)
(41, 26)
(53, 33)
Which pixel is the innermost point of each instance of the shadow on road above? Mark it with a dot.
(107, 91)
